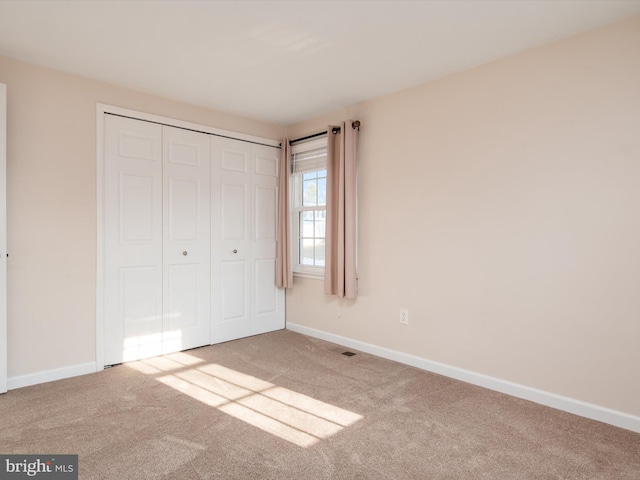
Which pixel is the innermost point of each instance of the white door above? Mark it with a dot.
(187, 239)
(231, 242)
(267, 300)
(157, 239)
(245, 300)
(3, 238)
(133, 240)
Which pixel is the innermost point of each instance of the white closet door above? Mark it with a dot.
(187, 239)
(133, 239)
(267, 300)
(231, 243)
(3, 238)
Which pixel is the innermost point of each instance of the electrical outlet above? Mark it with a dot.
(404, 316)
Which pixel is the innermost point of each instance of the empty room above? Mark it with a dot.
(320, 239)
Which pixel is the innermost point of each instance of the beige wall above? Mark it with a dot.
(501, 206)
(51, 189)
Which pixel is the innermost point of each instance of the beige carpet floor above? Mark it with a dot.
(286, 406)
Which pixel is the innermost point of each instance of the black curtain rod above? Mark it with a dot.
(319, 134)
(355, 124)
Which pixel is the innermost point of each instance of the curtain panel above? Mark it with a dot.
(284, 271)
(340, 277)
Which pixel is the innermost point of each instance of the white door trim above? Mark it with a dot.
(100, 237)
(101, 110)
(3, 238)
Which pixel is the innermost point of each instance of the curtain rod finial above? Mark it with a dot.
(356, 124)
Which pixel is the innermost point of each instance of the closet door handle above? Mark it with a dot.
(185, 253)
(235, 250)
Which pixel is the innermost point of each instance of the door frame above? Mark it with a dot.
(3, 240)
(101, 110)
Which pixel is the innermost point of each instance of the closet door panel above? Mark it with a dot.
(231, 245)
(139, 307)
(133, 239)
(267, 300)
(184, 209)
(234, 276)
(137, 194)
(266, 297)
(187, 241)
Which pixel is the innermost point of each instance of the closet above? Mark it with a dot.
(189, 239)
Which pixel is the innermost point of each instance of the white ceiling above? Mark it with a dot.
(284, 61)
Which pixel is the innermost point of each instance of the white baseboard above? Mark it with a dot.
(50, 375)
(577, 407)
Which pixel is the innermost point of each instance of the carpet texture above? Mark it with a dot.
(286, 406)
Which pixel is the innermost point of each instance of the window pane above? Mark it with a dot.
(320, 223)
(319, 253)
(310, 176)
(322, 191)
(307, 251)
(309, 193)
(306, 224)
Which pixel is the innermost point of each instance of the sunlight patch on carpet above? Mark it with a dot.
(292, 416)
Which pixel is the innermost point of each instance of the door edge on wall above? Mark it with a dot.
(4, 361)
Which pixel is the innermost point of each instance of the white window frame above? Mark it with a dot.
(295, 188)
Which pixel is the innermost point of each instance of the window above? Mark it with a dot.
(309, 210)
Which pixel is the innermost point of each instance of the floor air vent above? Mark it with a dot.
(348, 354)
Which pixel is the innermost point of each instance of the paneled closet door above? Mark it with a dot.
(231, 242)
(133, 239)
(245, 300)
(157, 239)
(267, 300)
(187, 239)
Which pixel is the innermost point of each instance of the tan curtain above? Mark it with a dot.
(340, 276)
(284, 272)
